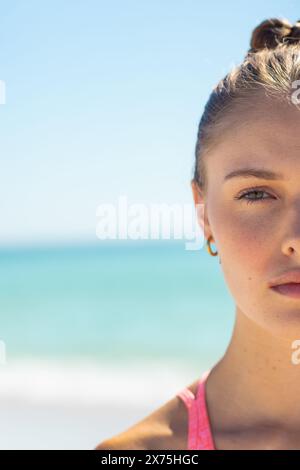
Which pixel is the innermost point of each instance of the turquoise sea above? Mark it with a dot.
(114, 301)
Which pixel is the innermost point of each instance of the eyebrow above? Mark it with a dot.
(254, 172)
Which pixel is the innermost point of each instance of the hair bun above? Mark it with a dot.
(295, 33)
(272, 32)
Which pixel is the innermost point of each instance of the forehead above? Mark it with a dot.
(265, 136)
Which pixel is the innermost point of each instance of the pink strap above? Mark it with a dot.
(204, 434)
(199, 432)
(187, 396)
(189, 399)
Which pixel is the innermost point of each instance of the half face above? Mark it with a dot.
(252, 209)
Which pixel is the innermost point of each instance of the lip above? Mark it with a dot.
(287, 284)
(288, 277)
(290, 289)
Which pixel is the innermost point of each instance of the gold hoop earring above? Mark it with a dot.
(209, 247)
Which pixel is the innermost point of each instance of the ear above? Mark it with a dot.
(201, 209)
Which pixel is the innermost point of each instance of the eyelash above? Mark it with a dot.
(251, 191)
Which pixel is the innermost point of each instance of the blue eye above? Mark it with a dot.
(251, 200)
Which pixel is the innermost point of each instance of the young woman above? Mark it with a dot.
(247, 180)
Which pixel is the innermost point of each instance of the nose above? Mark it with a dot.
(291, 243)
(292, 247)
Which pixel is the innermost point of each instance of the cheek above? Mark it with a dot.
(245, 233)
(244, 268)
(244, 240)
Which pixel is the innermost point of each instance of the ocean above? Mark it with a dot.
(98, 335)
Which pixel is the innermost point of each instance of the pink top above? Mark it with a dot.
(199, 430)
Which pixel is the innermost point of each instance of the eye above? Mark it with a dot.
(250, 192)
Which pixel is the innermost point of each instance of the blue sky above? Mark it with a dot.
(103, 99)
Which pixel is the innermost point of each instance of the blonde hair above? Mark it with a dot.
(270, 68)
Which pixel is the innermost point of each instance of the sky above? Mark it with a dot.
(103, 99)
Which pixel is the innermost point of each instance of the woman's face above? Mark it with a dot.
(253, 238)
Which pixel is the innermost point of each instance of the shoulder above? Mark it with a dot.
(165, 428)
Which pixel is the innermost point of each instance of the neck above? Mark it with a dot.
(258, 379)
